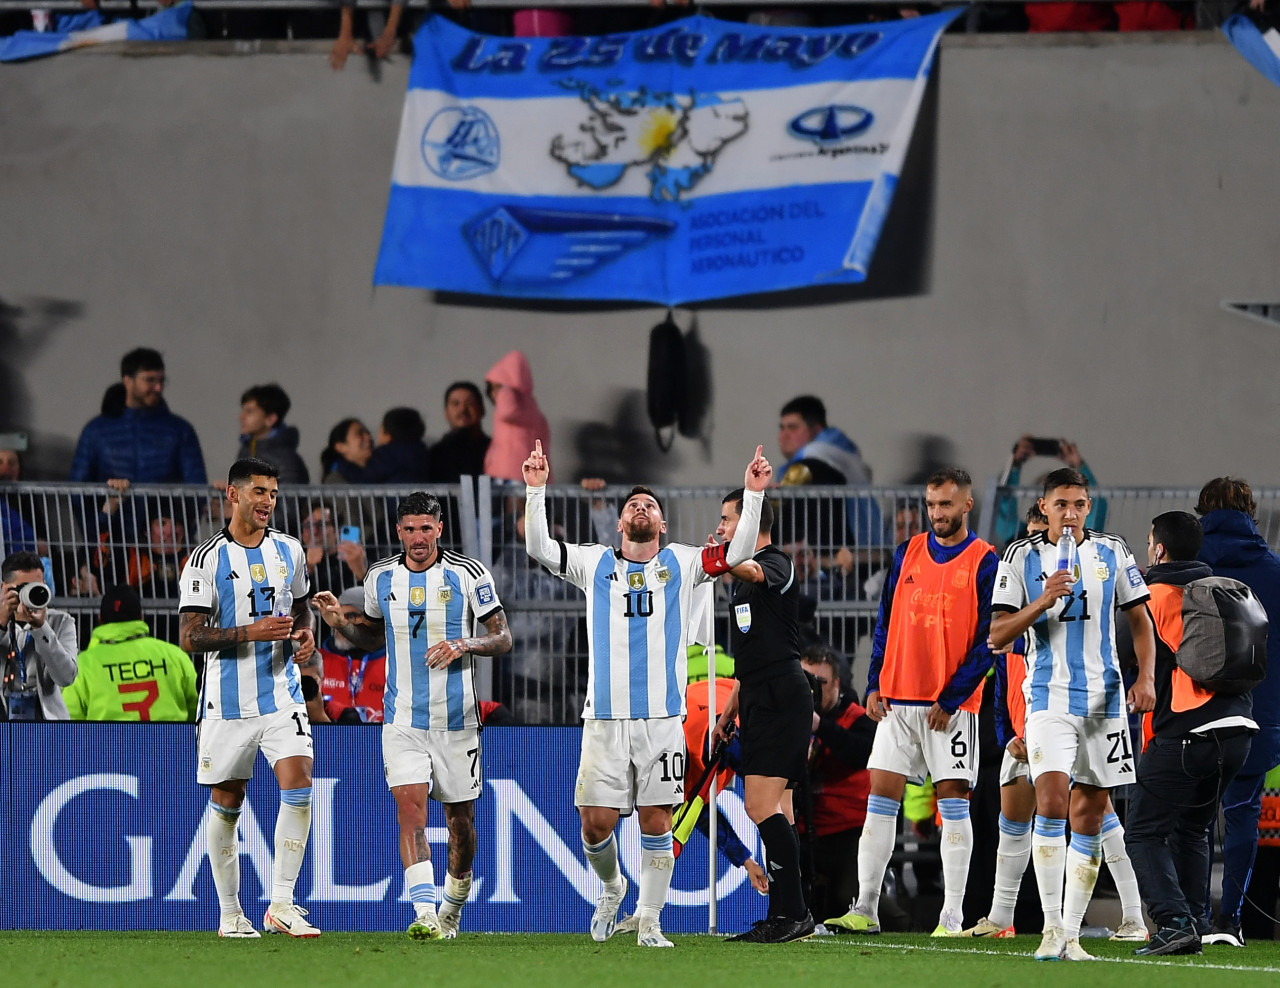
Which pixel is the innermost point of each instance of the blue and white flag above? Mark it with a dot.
(699, 160)
(1258, 41)
(166, 25)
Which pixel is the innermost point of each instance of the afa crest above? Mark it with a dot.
(635, 581)
(282, 571)
(663, 574)
(417, 595)
(258, 573)
(445, 594)
(960, 579)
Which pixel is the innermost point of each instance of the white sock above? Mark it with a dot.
(293, 826)
(1121, 868)
(456, 891)
(956, 850)
(1011, 865)
(1048, 855)
(603, 858)
(224, 856)
(420, 880)
(875, 848)
(657, 860)
(1084, 858)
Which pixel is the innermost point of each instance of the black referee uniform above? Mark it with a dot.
(775, 709)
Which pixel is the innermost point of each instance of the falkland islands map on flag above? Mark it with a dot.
(699, 160)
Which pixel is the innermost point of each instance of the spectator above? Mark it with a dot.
(401, 456)
(145, 443)
(838, 781)
(518, 422)
(346, 43)
(38, 645)
(126, 674)
(353, 679)
(819, 454)
(1233, 548)
(1135, 16)
(348, 453)
(154, 568)
(1043, 17)
(461, 451)
(263, 433)
(1009, 525)
(332, 565)
(17, 535)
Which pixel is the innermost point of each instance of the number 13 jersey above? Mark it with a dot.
(235, 586)
(1072, 664)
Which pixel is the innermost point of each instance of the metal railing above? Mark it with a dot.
(841, 538)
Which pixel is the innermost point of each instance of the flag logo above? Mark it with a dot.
(461, 142)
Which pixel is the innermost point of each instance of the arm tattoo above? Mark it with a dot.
(196, 636)
(496, 642)
(371, 635)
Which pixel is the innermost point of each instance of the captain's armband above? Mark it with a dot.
(713, 559)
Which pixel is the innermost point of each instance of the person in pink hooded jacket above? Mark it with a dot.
(517, 419)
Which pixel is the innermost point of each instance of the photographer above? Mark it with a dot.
(38, 644)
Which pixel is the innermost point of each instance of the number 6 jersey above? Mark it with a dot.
(1072, 666)
(235, 586)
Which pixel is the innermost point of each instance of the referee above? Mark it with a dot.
(776, 707)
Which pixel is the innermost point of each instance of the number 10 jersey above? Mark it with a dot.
(235, 585)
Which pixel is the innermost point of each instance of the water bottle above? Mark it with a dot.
(283, 606)
(1067, 549)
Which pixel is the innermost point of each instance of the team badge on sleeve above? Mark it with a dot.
(195, 586)
(1135, 577)
(1004, 581)
(484, 594)
(417, 595)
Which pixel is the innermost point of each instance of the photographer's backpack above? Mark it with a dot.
(1224, 635)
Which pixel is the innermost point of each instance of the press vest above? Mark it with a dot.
(932, 624)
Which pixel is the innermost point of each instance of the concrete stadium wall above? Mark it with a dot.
(1077, 208)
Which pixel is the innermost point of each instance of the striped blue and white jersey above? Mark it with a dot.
(639, 621)
(1072, 663)
(451, 598)
(235, 585)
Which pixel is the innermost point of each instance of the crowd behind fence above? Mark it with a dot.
(842, 540)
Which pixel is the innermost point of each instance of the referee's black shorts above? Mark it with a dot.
(776, 721)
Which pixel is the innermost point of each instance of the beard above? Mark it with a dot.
(947, 527)
(641, 530)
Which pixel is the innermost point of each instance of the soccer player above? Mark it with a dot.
(243, 604)
(1018, 803)
(1076, 726)
(924, 687)
(777, 713)
(434, 610)
(639, 606)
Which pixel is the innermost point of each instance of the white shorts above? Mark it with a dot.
(630, 763)
(905, 745)
(1011, 770)
(1095, 751)
(227, 749)
(447, 761)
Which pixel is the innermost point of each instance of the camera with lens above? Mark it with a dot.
(34, 596)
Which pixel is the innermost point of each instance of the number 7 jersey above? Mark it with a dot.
(235, 585)
(1072, 663)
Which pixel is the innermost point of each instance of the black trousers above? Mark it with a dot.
(1180, 783)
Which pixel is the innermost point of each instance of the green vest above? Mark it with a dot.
(125, 674)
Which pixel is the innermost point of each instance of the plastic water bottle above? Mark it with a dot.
(1067, 549)
(283, 603)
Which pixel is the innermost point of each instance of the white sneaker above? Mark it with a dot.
(1132, 931)
(1051, 944)
(425, 926)
(449, 919)
(1072, 951)
(605, 918)
(285, 917)
(629, 925)
(651, 936)
(238, 926)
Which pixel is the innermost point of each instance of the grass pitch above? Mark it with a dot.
(345, 960)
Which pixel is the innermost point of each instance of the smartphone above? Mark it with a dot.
(349, 533)
(1046, 447)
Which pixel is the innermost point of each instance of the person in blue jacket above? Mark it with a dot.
(1234, 548)
(144, 442)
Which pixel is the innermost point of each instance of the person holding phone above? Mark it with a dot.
(336, 558)
(1008, 519)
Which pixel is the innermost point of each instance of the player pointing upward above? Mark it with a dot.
(639, 604)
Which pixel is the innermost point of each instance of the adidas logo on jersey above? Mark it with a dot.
(612, 577)
(1126, 767)
(233, 575)
(1041, 578)
(959, 765)
(909, 579)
